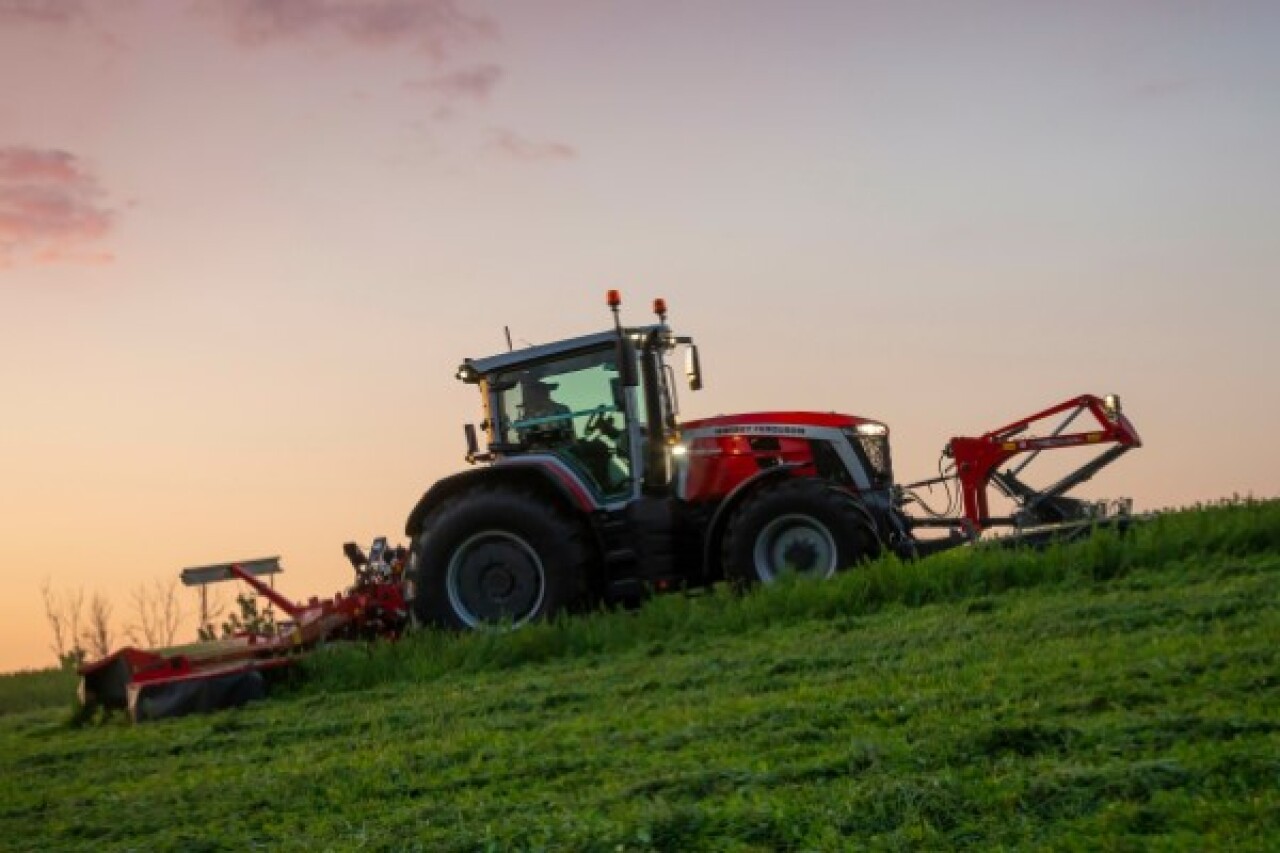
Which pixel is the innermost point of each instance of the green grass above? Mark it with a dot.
(1120, 694)
(32, 690)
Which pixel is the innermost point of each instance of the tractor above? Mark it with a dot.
(590, 489)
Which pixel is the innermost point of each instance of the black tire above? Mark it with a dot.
(497, 556)
(800, 526)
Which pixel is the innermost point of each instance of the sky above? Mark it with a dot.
(245, 244)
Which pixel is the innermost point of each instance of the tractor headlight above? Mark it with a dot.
(871, 429)
(1111, 403)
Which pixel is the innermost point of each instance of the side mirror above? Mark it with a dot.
(693, 368)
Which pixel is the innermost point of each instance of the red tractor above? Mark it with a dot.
(591, 489)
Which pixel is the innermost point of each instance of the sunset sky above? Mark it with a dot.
(244, 244)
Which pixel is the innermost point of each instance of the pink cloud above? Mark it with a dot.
(434, 25)
(49, 209)
(475, 83)
(517, 147)
(40, 12)
(513, 145)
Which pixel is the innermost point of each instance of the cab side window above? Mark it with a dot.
(573, 408)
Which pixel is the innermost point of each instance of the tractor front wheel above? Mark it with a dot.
(497, 557)
(800, 527)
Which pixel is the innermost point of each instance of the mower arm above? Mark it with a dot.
(978, 460)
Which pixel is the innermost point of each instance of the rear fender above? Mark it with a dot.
(544, 474)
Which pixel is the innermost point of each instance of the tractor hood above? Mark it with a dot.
(782, 423)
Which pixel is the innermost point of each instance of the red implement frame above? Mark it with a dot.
(977, 459)
(123, 680)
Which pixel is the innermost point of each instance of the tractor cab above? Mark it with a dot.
(602, 405)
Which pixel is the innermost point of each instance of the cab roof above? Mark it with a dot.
(543, 352)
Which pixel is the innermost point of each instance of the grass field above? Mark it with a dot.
(1119, 694)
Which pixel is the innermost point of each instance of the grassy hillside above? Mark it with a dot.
(46, 688)
(1115, 694)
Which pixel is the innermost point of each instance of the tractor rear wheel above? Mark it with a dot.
(495, 557)
(798, 526)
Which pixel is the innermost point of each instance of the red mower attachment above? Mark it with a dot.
(234, 670)
(977, 462)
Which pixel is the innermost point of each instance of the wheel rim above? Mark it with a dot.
(795, 544)
(495, 576)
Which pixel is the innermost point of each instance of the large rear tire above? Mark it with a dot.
(797, 527)
(495, 557)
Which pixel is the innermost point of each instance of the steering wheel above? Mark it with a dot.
(600, 422)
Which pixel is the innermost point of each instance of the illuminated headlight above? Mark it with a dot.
(679, 449)
(871, 429)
